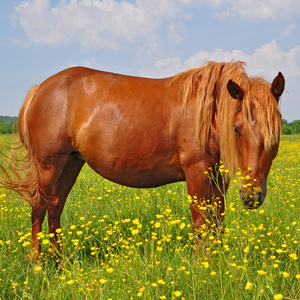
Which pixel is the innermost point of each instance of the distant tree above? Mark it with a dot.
(290, 128)
(285, 129)
(9, 119)
(8, 124)
(296, 128)
(5, 127)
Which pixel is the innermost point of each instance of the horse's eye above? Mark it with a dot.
(237, 131)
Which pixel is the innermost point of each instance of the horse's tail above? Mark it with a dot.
(22, 174)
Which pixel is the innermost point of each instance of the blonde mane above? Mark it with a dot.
(207, 86)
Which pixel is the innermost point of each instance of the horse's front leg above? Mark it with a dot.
(207, 203)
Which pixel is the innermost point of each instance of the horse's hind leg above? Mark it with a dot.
(59, 195)
(50, 169)
(37, 217)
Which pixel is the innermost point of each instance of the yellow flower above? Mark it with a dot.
(278, 296)
(246, 250)
(134, 231)
(40, 235)
(58, 230)
(205, 264)
(297, 276)
(293, 256)
(72, 227)
(157, 225)
(160, 281)
(177, 293)
(37, 268)
(136, 222)
(25, 244)
(285, 274)
(45, 242)
(102, 281)
(249, 286)
(109, 270)
(279, 251)
(70, 282)
(261, 272)
(213, 273)
(154, 284)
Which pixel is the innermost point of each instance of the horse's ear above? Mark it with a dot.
(277, 87)
(235, 90)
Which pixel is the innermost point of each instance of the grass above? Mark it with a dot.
(122, 243)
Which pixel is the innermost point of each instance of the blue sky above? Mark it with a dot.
(152, 38)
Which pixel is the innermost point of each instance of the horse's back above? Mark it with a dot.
(122, 126)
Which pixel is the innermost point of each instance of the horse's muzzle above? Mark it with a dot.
(252, 199)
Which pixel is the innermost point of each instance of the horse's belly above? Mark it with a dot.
(145, 179)
(138, 170)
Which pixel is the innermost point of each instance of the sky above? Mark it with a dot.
(149, 38)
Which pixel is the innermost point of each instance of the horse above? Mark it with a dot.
(142, 133)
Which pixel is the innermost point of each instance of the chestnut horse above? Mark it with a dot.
(144, 133)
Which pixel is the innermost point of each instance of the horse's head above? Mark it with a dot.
(256, 142)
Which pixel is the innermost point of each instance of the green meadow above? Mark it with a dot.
(123, 243)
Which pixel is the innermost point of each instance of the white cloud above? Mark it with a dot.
(109, 23)
(288, 30)
(94, 23)
(258, 9)
(174, 34)
(265, 61)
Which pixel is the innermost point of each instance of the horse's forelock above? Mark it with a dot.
(267, 112)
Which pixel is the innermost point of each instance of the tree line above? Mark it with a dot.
(9, 125)
(290, 128)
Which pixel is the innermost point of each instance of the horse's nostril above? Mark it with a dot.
(259, 196)
(251, 198)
